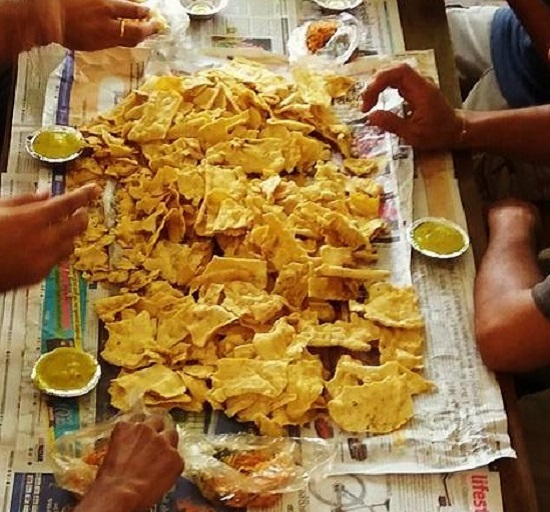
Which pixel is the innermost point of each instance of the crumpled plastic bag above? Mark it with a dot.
(77, 456)
(244, 470)
(167, 43)
(337, 50)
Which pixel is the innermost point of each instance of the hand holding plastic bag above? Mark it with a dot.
(132, 459)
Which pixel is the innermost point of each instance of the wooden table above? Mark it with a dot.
(425, 26)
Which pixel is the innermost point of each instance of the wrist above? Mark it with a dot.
(108, 495)
(462, 129)
(44, 22)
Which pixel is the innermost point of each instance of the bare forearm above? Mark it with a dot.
(24, 26)
(512, 334)
(509, 266)
(535, 17)
(519, 133)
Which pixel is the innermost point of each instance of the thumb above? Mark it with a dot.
(25, 199)
(389, 122)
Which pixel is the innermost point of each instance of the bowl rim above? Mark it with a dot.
(68, 393)
(222, 5)
(53, 128)
(352, 5)
(441, 220)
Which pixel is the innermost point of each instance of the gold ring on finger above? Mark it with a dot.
(122, 28)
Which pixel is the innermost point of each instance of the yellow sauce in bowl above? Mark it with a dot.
(66, 371)
(438, 237)
(56, 144)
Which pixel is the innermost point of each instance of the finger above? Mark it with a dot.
(25, 199)
(137, 417)
(50, 258)
(118, 430)
(65, 205)
(129, 10)
(70, 228)
(401, 77)
(155, 422)
(62, 252)
(371, 93)
(390, 122)
(135, 32)
(171, 435)
(60, 238)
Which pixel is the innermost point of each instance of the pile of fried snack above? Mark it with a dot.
(240, 255)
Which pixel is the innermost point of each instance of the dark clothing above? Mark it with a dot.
(541, 295)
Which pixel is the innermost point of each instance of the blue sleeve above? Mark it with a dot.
(523, 75)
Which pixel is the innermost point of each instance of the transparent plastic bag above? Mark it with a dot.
(76, 457)
(169, 43)
(338, 49)
(175, 17)
(243, 470)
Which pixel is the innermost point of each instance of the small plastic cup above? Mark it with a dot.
(54, 372)
(438, 237)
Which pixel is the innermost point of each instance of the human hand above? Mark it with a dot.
(95, 24)
(513, 220)
(141, 465)
(38, 231)
(431, 122)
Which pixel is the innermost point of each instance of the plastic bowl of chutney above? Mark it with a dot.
(438, 237)
(66, 372)
(55, 144)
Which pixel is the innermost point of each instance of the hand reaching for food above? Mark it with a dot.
(38, 231)
(140, 465)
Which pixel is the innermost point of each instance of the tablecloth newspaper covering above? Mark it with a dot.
(440, 461)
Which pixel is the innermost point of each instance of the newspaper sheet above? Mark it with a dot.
(463, 426)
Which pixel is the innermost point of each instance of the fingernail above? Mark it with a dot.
(144, 12)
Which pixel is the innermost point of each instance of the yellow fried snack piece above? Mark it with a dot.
(157, 116)
(236, 377)
(354, 335)
(373, 399)
(305, 385)
(107, 308)
(379, 407)
(253, 305)
(225, 270)
(279, 343)
(131, 342)
(360, 166)
(156, 385)
(393, 307)
(402, 345)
